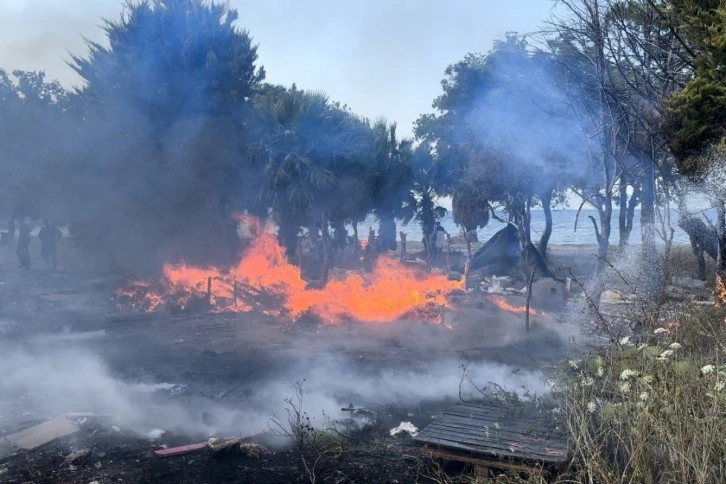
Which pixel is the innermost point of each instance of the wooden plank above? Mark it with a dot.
(493, 435)
(182, 449)
(491, 453)
(486, 432)
(501, 427)
(511, 449)
(498, 464)
(482, 439)
(492, 414)
(520, 427)
(551, 456)
(482, 409)
(41, 434)
(503, 420)
(479, 410)
(507, 443)
(459, 424)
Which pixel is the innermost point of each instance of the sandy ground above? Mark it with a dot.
(163, 379)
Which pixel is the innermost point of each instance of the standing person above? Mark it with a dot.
(23, 250)
(49, 236)
(439, 236)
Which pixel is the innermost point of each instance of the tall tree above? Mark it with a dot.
(504, 133)
(163, 157)
(695, 127)
(389, 180)
(34, 130)
(313, 147)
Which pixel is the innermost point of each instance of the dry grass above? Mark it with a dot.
(655, 412)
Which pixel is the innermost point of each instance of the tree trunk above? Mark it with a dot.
(547, 208)
(522, 222)
(623, 215)
(626, 213)
(467, 265)
(632, 203)
(326, 247)
(426, 217)
(602, 235)
(386, 233)
(287, 236)
(650, 271)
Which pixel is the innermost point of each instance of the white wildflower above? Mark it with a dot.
(590, 406)
(625, 340)
(719, 386)
(575, 364)
(647, 379)
(599, 370)
(627, 374)
(675, 346)
(707, 369)
(587, 381)
(660, 330)
(666, 354)
(625, 387)
(643, 396)
(549, 384)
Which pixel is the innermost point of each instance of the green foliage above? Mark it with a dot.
(310, 148)
(696, 119)
(695, 116)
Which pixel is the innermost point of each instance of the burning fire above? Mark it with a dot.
(265, 280)
(720, 290)
(502, 304)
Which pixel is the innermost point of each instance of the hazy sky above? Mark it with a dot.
(380, 57)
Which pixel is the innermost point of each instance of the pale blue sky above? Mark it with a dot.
(380, 57)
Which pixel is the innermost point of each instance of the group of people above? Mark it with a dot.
(49, 236)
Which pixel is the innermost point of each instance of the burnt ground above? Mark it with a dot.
(156, 381)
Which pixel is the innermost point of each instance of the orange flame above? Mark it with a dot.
(266, 280)
(502, 304)
(720, 290)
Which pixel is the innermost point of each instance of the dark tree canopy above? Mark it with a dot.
(503, 128)
(34, 131)
(164, 152)
(696, 116)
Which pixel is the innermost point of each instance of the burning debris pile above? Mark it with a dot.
(266, 281)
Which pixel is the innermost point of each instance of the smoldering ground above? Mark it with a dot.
(240, 391)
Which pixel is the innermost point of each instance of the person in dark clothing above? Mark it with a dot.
(23, 250)
(49, 236)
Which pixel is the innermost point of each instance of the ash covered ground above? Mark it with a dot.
(161, 380)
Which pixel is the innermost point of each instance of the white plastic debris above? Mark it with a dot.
(404, 428)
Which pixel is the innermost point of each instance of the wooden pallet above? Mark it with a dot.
(491, 436)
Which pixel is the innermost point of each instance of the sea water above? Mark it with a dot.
(567, 228)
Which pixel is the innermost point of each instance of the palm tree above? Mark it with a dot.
(312, 148)
(390, 180)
